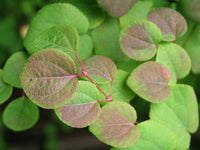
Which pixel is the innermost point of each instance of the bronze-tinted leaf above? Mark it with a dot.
(150, 81)
(48, 78)
(117, 8)
(171, 23)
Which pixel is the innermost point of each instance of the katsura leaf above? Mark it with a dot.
(48, 78)
(100, 68)
(171, 23)
(62, 37)
(83, 109)
(115, 126)
(5, 90)
(150, 81)
(20, 114)
(154, 136)
(139, 40)
(176, 59)
(117, 8)
(12, 69)
(56, 14)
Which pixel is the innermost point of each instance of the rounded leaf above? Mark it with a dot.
(115, 125)
(13, 67)
(117, 8)
(171, 23)
(55, 14)
(20, 114)
(63, 37)
(5, 90)
(100, 68)
(139, 40)
(150, 81)
(83, 109)
(176, 59)
(48, 78)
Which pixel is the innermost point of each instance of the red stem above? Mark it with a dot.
(23, 94)
(111, 88)
(104, 100)
(80, 61)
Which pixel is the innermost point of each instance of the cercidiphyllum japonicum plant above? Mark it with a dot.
(86, 88)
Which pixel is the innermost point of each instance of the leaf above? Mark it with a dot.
(192, 47)
(179, 113)
(159, 3)
(20, 114)
(106, 40)
(83, 109)
(12, 69)
(150, 81)
(85, 48)
(62, 37)
(139, 40)
(120, 91)
(154, 136)
(191, 9)
(115, 126)
(100, 68)
(171, 23)
(90, 9)
(175, 59)
(138, 12)
(56, 14)
(48, 78)
(117, 8)
(5, 90)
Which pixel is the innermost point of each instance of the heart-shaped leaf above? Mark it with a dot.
(150, 81)
(83, 109)
(5, 90)
(154, 136)
(115, 125)
(175, 59)
(20, 114)
(55, 14)
(63, 37)
(171, 23)
(139, 40)
(13, 67)
(48, 78)
(100, 68)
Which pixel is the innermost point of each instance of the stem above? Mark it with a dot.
(80, 61)
(111, 84)
(104, 100)
(23, 94)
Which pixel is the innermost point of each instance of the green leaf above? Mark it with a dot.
(20, 114)
(154, 136)
(139, 40)
(150, 81)
(120, 91)
(55, 14)
(175, 59)
(179, 113)
(5, 90)
(13, 67)
(138, 12)
(192, 9)
(62, 37)
(192, 47)
(171, 23)
(85, 48)
(106, 40)
(158, 3)
(100, 68)
(90, 9)
(117, 8)
(48, 78)
(83, 109)
(115, 126)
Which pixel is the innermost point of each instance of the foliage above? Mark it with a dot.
(87, 60)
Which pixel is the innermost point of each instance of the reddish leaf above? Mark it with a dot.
(150, 81)
(115, 125)
(117, 8)
(171, 23)
(48, 78)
